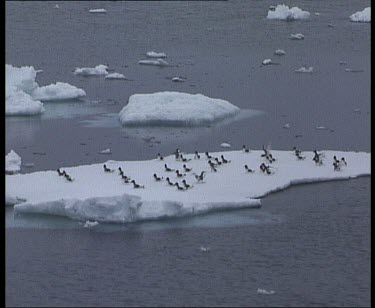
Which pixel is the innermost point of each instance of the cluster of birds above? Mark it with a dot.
(214, 163)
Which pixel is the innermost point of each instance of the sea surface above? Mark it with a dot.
(310, 244)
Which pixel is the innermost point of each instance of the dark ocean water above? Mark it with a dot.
(310, 244)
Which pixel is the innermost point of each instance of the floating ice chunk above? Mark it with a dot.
(157, 62)
(178, 79)
(225, 145)
(305, 70)
(317, 13)
(89, 224)
(267, 62)
(98, 11)
(12, 163)
(58, 91)
(153, 54)
(106, 151)
(279, 52)
(287, 126)
(174, 108)
(362, 16)
(263, 291)
(57, 6)
(204, 249)
(38, 71)
(115, 76)
(321, 127)
(87, 71)
(297, 36)
(350, 70)
(283, 12)
(19, 103)
(21, 78)
(98, 196)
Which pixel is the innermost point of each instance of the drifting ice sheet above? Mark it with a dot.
(98, 11)
(89, 71)
(283, 12)
(12, 163)
(115, 76)
(362, 16)
(96, 195)
(157, 62)
(58, 91)
(153, 54)
(174, 108)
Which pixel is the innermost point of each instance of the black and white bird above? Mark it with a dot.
(178, 186)
(246, 150)
(179, 174)
(186, 168)
(177, 153)
(225, 161)
(197, 156)
(200, 177)
(168, 169)
(248, 169)
(343, 161)
(208, 155)
(169, 181)
(156, 177)
(184, 159)
(120, 172)
(212, 165)
(217, 161)
(59, 172)
(187, 186)
(160, 157)
(135, 185)
(106, 169)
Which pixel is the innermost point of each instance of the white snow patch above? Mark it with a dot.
(174, 108)
(88, 71)
(153, 54)
(157, 62)
(99, 196)
(98, 11)
(115, 76)
(58, 91)
(362, 16)
(297, 36)
(12, 163)
(305, 70)
(283, 12)
(279, 52)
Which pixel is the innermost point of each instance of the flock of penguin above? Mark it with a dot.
(214, 163)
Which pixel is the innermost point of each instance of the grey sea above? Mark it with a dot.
(306, 246)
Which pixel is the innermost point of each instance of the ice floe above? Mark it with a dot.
(157, 62)
(283, 12)
(58, 91)
(297, 36)
(89, 224)
(263, 291)
(24, 95)
(279, 52)
(98, 11)
(153, 54)
(174, 109)
(287, 126)
(115, 76)
(12, 163)
(225, 145)
(106, 151)
(362, 16)
(101, 196)
(178, 79)
(305, 70)
(89, 71)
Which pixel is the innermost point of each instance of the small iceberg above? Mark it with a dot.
(115, 76)
(89, 224)
(98, 11)
(279, 52)
(106, 151)
(204, 249)
(282, 12)
(225, 145)
(88, 71)
(321, 128)
(174, 109)
(267, 62)
(58, 91)
(153, 54)
(287, 126)
(12, 163)
(178, 79)
(57, 6)
(297, 36)
(305, 70)
(157, 62)
(362, 16)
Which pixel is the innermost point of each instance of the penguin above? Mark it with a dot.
(248, 169)
(160, 157)
(245, 149)
(107, 169)
(187, 186)
(262, 167)
(59, 172)
(343, 160)
(197, 156)
(186, 168)
(177, 153)
(208, 155)
(300, 157)
(169, 182)
(156, 177)
(168, 169)
(135, 185)
(212, 166)
(200, 177)
(68, 177)
(336, 166)
(120, 171)
(184, 159)
(217, 161)
(179, 174)
(178, 186)
(225, 161)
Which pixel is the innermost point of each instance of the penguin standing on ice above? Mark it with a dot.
(197, 156)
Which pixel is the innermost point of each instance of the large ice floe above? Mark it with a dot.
(23, 95)
(12, 163)
(153, 54)
(362, 16)
(92, 71)
(104, 197)
(157, 62)
(283, 12)
(174, 109)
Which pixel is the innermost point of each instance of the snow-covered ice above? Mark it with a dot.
(362, 16)
(12, 163)
(115, 76)
(283, 12)
(101, 196)
(174, 108)
(157, 62)
(297, 36)
(98, 11)
(58, 91)
(18, 103)
(305, 70)
(279, 52)
(89, 71)
(225, 145)
(153, 54)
